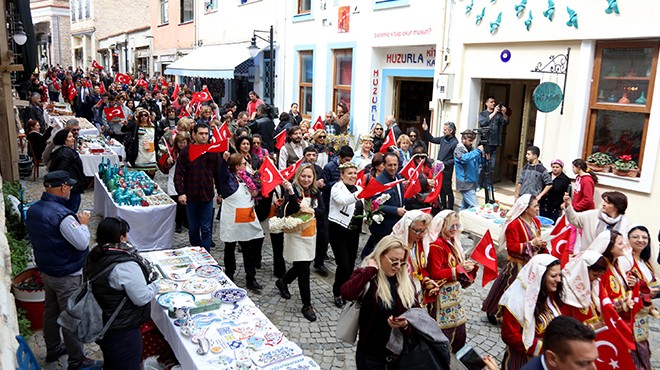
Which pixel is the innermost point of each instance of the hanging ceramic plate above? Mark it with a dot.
(168, 286)
(200, 285)
(209, 271)
(176, 299)
(230, 295)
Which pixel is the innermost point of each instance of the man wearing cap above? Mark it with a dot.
(467, 161)
(60, 240)
(552, 201)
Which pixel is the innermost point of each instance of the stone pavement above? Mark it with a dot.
(316, 339)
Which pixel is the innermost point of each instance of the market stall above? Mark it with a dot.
(148, 210)
(476, 221)
(86, 127)
(212, 324)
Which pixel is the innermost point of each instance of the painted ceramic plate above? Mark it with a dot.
(284, 352)
(499, 221)
(545, 221)
(200, 286)
(168, 286)
(209, 271)
(472, 209)
(488, 216)
(176, 299)
(230, 295)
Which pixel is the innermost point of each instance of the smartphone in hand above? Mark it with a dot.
(470, 358)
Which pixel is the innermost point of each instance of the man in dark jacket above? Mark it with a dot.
(60, 239)
(447, 144)
(494, 118)
(265, 127)
(35, 111)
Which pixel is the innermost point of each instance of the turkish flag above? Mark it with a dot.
(374, 188)
(280, 140)
(270, 176)
(638, 302)
(559, 245)
(102, 87)
(175, 93)
(221, 135)
(142, 82)
(197, 150)
(426, 210)
(433, 195)
(72, 91)
(318, 125)
(390, 140)
(414, 187)
(113, 112)
(560, 225)
(360, 178)
(288, 172)
(485, 254)
(612, 353)
(184, 112)
(96, 65)
(163, 82)
(616, 324)
(408, 170)
(123, 78)
(202, 96)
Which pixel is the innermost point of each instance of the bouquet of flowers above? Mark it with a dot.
(438, 167)
(373, 209)
(335, 142)
(625, 163)
(253, 183)
(290, 224)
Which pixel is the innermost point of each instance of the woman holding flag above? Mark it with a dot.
(449, 272)
(521, 237)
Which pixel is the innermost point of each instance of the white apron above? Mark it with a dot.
(301, 246)
(238, 221)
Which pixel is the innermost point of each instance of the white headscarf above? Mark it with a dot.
(520, 298)
(435, 231)
(518, 209)
(578, 289)
(600, 244)
(402, 227)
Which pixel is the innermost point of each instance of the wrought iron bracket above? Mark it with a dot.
(558, 65)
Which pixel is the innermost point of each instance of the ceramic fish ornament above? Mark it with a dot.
(612, 6)
(572, 18)
(481, 16)
(520, 7)
(495, 25)
(492, 1)
(528, 21)
(550, 12)
(468, 8)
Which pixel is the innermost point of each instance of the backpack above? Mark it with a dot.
(83, 316)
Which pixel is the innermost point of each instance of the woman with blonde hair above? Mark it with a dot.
(364, 157)
(378, 134)
(388, 293)
(403, 144)
(305, 128)
(451, 272)
(319, 143)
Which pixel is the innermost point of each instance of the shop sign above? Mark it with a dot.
(547, 97)
(375, 81)
(408, 57)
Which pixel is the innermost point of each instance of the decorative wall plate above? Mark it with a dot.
(230, 295)
(296, 363)
(283, 352)
(209, 271)
(200, 285)
(168, 286)
(176, 298)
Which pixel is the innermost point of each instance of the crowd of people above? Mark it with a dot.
(413, 257)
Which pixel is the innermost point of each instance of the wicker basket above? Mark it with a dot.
(631, 173)
(301, 226)
(597, 168)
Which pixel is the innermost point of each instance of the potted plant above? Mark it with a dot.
(30, 294)
(625, 166)
(599, 162)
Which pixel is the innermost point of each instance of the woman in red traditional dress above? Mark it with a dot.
(413, 229)
(582, 293)
(528, 306)
(521, 236)
(452, 272)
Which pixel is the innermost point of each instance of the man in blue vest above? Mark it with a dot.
(60, 239)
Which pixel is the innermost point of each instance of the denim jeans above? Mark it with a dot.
(200, 220)
(469, 199)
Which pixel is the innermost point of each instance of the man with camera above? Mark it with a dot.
(467, 161)
(492, 120)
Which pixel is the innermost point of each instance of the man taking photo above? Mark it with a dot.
(467, 161)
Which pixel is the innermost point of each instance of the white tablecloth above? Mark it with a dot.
(119, 149)
(477, 225)
(86, 127)
(152, 227)
(91, 161)
(186, 351)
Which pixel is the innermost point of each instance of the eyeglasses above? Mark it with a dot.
(395, 263)
(322, 137)
(75, 130)
(420, 231)
(455, 227)
(413, 136)
(378, 129)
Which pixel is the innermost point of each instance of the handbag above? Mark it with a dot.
(347, 327)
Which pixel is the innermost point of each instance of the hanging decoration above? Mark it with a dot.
(520, 8)
(495, 25)
(528, 21)
(557, 65)
(572, 18)
(481, 16)
(612, 7)
(468, 8)
(505, 55)
(550, 12)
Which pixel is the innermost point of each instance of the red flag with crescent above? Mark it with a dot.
(123, 78)
(221, 135)
(113, 112)
(414, 187)
(163, 82)
(280, 140)
(616, 324)
(184, 112)
(612, 353)
(202, 96)
(175, 93)
(142, 82)
(485, 254)
(72, 92)
(102, 87)
(433, 195)
(390, 140)
(288, 172)
(559, 245)
(408, 170)
(96, 65)
(318, 125)
(360, 178)
(270, 176)
(374, 187)
(560, 225)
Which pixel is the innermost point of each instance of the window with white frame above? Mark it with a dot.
(343, 77)
(164, 11)
(305, 82)
(304, 6)
(187, 11)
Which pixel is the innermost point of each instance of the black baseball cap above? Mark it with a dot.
(58, 178)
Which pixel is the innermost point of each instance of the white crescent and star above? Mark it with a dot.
(607, 344)
(267, 171)
(561, 242)
(488, 249)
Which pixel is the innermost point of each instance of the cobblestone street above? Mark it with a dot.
(317, 339)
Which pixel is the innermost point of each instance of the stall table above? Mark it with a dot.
(91, 161)
(86, 127)
(239, 334)
(152, 227)
(476, 225)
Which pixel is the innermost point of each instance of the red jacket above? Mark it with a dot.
(519, 237)
(583, 193)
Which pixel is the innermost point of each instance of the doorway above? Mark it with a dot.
(518, 134)
(411, 101)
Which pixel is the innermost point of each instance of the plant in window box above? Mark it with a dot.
(599, 162)
(625, 166)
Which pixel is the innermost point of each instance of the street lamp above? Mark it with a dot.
(20, 37)
(254, 50)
